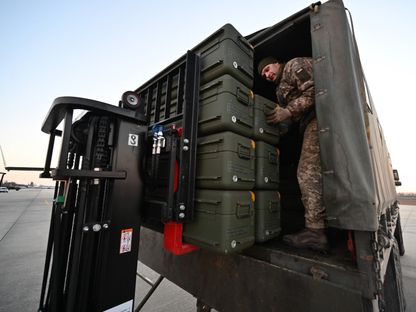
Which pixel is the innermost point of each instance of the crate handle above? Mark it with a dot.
(209, 67)
(205, 241)
(273, 206)
(240, 68)
(272, 158)
(211, 86)
(207, 142)
(243, 123)
(209, 119)
(242, 96)
(207, 152)
(245, 42)
(243, 151)
(208, 202)
(246, 179)
(243, 211)
(269, 132)
(208, 177)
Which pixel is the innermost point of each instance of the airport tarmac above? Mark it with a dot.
(24, 224)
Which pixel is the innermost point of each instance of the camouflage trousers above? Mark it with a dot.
(310, 178)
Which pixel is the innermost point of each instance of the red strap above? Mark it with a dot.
(350, 244)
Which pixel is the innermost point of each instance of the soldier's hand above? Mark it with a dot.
(277, 115)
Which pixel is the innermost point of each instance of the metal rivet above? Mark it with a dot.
(182, 207)
(233, 244)
(235, 178)
(316, 27)
(261, 130)
(235, 64)
(319, 59)
(234, 119)
(181, 215)
(321, 92)
(96, 227)
(86, 228)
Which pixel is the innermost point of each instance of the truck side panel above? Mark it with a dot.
(350, 181)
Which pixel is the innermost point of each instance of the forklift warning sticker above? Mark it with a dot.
(124, 307)
(125, 242)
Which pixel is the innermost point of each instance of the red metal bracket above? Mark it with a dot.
(350, 245)
(172, 239)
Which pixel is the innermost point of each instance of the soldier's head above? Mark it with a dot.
(268, 68)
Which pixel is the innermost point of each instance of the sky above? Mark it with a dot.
(99, 49)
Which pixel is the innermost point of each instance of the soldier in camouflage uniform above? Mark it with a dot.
(295, 92)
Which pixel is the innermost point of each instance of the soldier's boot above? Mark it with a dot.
(314, 239)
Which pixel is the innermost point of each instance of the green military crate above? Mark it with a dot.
(225, 161)
(267, 215)
(267, 166)
(167, 96)
(262, 130)
(224, 221)
(226, 52)
(225, 105)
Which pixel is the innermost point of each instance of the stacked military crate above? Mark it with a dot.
(267, 172)
(236, 201)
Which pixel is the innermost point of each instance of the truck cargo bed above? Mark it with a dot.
(242, 282)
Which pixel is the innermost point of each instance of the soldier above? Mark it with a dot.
(295, 93)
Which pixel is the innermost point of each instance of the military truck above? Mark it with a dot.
(186, 175)
(362, 271)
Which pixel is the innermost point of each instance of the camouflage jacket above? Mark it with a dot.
(296, 87)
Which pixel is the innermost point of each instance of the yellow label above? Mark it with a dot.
(253, 196)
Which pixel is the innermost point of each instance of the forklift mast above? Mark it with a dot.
(101, 178)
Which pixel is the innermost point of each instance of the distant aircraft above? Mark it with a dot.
(2, 176)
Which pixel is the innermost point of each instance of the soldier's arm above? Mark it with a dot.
(301, 78)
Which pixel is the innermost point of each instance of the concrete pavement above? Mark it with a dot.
(24, 224)
(408, 261)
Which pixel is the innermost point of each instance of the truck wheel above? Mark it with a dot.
(393, 283)
(398, 235)
(367, 305)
